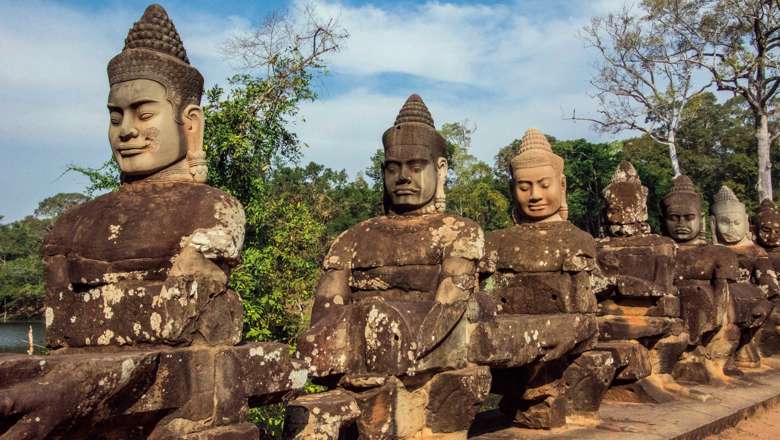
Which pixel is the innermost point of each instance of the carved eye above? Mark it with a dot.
(145, 116)
(116, 118)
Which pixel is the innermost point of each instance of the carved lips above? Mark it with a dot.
(127, 150)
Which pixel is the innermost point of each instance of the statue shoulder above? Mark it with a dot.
(342, 249)
(580, 248)
(58, 240)
(220, 223)
(460, 237)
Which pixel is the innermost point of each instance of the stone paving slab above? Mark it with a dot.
(680, 420)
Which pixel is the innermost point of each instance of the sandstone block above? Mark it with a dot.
(634, 327)
(517, 340)
(320, 416)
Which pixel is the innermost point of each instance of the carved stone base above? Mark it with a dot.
(154, 393)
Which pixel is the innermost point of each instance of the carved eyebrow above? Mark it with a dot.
(135, 103)
(543, 179)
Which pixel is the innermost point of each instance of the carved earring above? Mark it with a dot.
(440, 198)
(564, 209)
(196, 157)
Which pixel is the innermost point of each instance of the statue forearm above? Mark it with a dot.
(332, 291)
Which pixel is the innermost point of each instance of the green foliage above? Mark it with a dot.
(52, 207)
(473, 189)
(102, 179)
(21, 268)
(588, 170)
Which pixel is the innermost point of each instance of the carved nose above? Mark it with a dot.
(128, 133)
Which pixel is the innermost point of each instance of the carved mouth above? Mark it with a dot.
(127, 150)
(537, 207)
(405, 192)
(682, 231)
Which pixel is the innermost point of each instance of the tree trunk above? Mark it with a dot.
(764, 165)
(673, 153)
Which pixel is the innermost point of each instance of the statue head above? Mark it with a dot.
(683, 217)
(768, 225)
(154, 102)
(626, 202)
(537, 181)
(730, 218)
(415, 169)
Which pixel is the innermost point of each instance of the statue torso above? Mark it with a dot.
(140, 227)
(400, 257)
(108, 265)
(540, 268)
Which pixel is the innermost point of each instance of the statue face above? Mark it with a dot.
(683, 223)
(626, 204)
(769, 231)
(731, 226)
(410, 175)
(144, 135)
(538, 191)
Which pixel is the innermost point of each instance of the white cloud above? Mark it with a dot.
(504, 67)
(498, 66)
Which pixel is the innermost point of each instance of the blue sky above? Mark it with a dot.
(504, 66)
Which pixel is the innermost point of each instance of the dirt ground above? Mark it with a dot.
(763, 425)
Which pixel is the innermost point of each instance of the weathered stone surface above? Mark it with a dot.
(631, 359)
(642, 265)
(517, 340)
(701, 307)
(178, 310)
(68, 395)
(533, 395)
(751, 308)
(768, 336)
(242, 431)
(320, 416)
(635, 327)
(538, 247)
(706, 263)
(146, 277)
(545, 293)
(667, 305)
(253, 374)
(454, 398)
(587, 379)
(665, 353)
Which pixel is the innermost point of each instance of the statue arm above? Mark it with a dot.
(456, 286)
(767, 277)
(332, 291)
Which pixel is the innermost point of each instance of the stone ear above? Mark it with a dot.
(192, 116)
(440, 198)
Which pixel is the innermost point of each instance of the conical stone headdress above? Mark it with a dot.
(154, 51)
(683, 192)
(414, 126)
(626, 193)
(767, 208)
(535, 150)
(726, 200)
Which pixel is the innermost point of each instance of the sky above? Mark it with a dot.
(503, 66)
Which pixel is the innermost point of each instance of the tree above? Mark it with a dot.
(645, 77)
(473, 190)
(52, 207)
(736, 42)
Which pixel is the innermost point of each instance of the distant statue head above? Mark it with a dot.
(683, 217)
(415, 169)
(626, 203)
(768, 225)
(538, 183)
(730, 218)
(156, 119)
